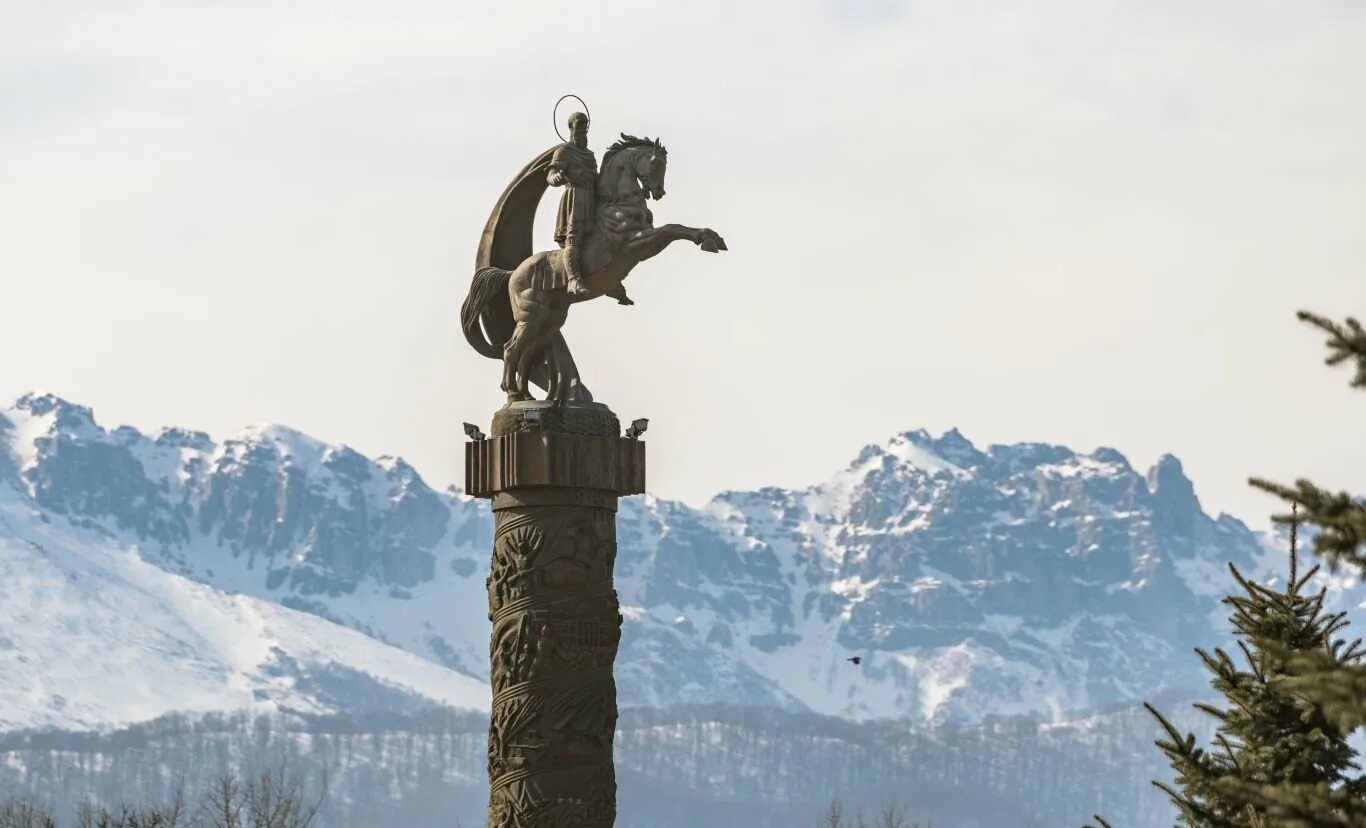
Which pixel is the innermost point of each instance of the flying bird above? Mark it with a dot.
(855, 659)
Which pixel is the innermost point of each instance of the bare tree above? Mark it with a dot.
(275, 800)
(173, 814)
(21, 813)
(891, 816)
(272, 799)
(222, 805)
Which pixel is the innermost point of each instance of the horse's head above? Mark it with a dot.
(647, 159)
(650, 166)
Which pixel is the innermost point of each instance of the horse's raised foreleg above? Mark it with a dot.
(648, 243)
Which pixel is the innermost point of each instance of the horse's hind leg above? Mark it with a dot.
(533, 347)
(554, 372)
(571, 389)
(513, 355)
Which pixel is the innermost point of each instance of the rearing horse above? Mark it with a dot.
(518, 301)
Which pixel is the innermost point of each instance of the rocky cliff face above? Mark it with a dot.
(1007, 579)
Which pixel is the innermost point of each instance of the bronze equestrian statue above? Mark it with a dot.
(519, 300)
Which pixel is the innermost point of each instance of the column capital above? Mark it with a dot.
(528, 460)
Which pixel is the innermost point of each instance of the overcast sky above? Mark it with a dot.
(1086, 222)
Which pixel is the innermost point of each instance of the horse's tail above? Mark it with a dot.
(486, 316)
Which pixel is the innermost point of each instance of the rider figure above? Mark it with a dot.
(574, 167)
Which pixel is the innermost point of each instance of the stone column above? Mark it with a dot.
(554, 474)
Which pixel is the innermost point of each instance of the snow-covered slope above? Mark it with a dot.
(1012, 579)
(92, 635)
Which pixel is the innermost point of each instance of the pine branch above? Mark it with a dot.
(1230, 754)
(1342, 519)
(1300, 805)
(1313, 570)
(1346, 341)
(1243, 582)
(1295, 548)
(1335, 687)
(1167, 725)
(1195, 813)
(1252, 661)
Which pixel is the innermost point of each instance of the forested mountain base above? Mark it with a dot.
(676, 768)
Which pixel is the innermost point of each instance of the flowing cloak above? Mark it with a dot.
(580, 170)
(486, 314)
(506, 241)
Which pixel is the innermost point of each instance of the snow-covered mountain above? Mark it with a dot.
(270, 568)
(91, 635)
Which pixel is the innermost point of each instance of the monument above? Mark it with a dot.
(555, 469)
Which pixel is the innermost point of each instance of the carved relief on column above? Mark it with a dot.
(556, 628)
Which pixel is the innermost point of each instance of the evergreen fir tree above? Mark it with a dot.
(1332, 682)
(1269, 737)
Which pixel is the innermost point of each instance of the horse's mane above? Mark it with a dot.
(629, 141)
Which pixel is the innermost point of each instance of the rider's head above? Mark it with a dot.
(578, 128)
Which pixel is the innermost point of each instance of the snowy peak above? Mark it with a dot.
(178, 438)
(38, 418)
(918, 452)
(903, 467)
(954, 448)
(63, 414)
(1174, 495)
(1017, 456)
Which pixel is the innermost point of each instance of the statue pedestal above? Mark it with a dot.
(554, 474)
